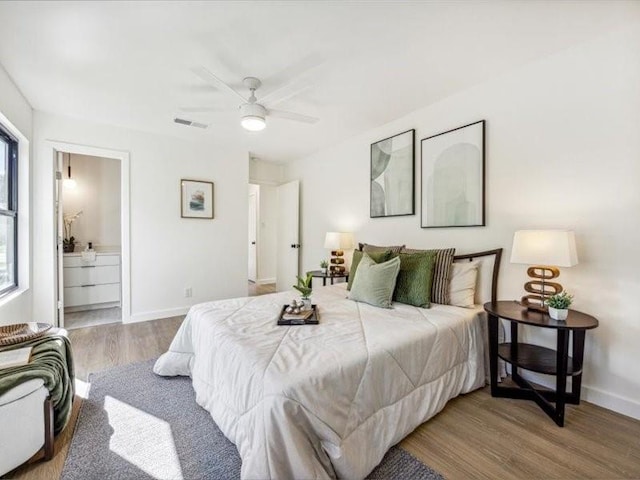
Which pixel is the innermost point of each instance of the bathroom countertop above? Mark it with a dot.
(99, 251)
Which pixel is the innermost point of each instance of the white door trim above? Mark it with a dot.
(125, 209)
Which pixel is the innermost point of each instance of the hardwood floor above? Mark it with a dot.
(256, 289)
(92, 318)
(475, 436)
(478, 436)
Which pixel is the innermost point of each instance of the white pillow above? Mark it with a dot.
(462, 287)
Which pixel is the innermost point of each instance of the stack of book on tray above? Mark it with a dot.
(15, 358)
(305, 317)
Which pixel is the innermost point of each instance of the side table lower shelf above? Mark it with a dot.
(535, 358)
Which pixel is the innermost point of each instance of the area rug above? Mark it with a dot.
(137, 425)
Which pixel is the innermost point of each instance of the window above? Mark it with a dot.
(8, 212)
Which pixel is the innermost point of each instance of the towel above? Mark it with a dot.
(89, 256)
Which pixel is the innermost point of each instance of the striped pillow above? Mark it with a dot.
(441, 273)
(368, 248)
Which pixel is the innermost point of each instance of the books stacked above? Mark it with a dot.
(15, 358)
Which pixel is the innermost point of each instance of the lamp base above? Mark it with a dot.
(337, 262)
(540, 289)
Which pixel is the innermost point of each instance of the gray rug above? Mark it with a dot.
(137, 425)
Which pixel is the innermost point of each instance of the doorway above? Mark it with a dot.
(273, 240)
(262, 228)
(92, 223)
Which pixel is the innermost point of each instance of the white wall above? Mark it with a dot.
(563, 150)
(168, 253)
(97, 195)
(262, 172)
(17, 116)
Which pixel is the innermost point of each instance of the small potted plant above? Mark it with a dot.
(559, 305)
(324, 265)
(304, 287)
(69, 241)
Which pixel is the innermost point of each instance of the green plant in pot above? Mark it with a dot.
(304, 287)
(559, 305)
(324, 265)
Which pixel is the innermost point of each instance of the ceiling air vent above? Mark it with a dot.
(190, 123)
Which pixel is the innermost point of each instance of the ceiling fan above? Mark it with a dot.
(253, 115)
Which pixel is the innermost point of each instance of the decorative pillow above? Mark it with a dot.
(462, 288)
(441, 273)
(413, 285)
(375, 282)
(368, 248)
(355, 261)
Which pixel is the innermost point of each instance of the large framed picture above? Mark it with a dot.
(393, 172)
(452, 183)
(196, 199)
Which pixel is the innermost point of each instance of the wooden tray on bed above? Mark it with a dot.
(314, 319)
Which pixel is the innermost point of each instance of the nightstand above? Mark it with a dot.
(539, 359)
(332, 276)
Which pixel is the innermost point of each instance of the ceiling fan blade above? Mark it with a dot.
(211, 79)
(199, 109)
(282, 95)
(293, 79)
(297, 117)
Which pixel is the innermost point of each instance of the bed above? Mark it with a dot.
(328, 400)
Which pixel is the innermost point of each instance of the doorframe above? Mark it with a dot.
(256, 221)
(125, 216)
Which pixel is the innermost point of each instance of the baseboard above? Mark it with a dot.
(263, 281)
(157, 314)
(610, 401)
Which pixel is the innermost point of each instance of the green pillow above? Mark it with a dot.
(413, 285)
(377, 257)
(375, 282)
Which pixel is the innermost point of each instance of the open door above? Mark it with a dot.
(288, 251)
(59, 237)
(253, 235)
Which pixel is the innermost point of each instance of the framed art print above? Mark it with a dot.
(392, 190)
(196, 199)
(452, 183)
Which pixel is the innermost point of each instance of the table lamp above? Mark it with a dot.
(545, 250)
(337, 242)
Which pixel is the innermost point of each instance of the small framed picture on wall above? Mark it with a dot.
(196, 199)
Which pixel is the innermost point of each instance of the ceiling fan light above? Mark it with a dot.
(253, 123)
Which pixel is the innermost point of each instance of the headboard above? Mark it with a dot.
(487, 283)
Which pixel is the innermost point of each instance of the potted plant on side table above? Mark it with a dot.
(324, 265)
(559, 305)
(304, 287)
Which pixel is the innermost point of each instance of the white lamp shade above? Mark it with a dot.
(338, 241)
(544, 247)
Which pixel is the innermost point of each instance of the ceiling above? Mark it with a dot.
(355, 65)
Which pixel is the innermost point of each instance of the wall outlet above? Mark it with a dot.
(188, 292)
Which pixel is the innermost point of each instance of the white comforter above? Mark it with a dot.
(330, 399)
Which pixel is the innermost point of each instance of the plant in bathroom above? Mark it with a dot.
(559, 305)
(304, 286)
(69, 241)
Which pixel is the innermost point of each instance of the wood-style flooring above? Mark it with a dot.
(91, 318)
(475, 436)
(256, 289)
